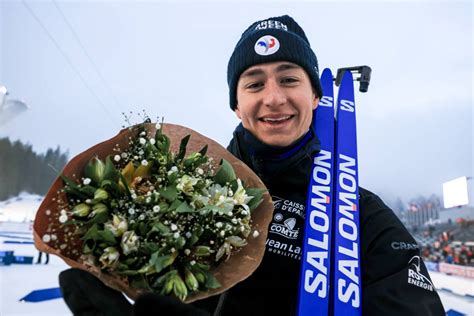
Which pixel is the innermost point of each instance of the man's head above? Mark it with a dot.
(274, 81)
(273, 39)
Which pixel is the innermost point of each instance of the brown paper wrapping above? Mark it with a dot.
(240, 265)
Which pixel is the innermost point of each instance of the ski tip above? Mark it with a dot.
(326, 73)
(347, 77)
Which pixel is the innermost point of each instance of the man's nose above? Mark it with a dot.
(274, 94)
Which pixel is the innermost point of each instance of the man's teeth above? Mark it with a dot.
(267, 119)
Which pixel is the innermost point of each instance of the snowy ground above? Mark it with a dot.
(18, 280)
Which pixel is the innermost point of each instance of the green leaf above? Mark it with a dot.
(174, 205)
(185, 208)
(172, 177)
(203, 150)
(170, 193)
(124, 183)
(161, 262)
(128, 272)
(110, 173)
(72, 188)
(88, 189)
(211, 281)
(162, 142)
(107, 236)
(257, 194)
(182, 147)
(92, 233)
(148, 247)
(99, 218)
(143, 228)
(225, 173)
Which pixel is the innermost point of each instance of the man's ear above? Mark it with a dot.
(315, 101)
(237, 112)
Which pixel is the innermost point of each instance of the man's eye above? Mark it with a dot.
(254, 86)
(289, 80)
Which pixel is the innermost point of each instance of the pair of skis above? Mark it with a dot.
(330, 279)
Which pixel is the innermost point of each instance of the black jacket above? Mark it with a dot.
(394, 279)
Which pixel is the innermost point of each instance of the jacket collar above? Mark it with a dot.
(268, 161)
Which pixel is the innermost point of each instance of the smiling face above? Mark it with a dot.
(275, 102)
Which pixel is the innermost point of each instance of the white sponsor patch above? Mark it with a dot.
(415, 277)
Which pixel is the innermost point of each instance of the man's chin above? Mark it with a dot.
(277, 141)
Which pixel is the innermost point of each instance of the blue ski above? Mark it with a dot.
(346, 286)
(315, 264)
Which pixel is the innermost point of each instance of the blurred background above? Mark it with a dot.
(70, 69)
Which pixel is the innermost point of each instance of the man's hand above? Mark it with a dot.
(84, 294)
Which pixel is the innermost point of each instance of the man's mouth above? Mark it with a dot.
(276, 119)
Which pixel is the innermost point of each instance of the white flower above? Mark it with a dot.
(142, 133)
(218, 224)
(46, 237)
(117, 158)
(117, 226)
(199, 171)
(142, 141)
(141, 217)
(255, 234)
(156, 208)
(144, 162)
(187, 252)
(222, 233)
(188, 235)
(158, 125)
(174, 227)
(186, 184)
(124, 155)
(110, 257)
(134, 196)
(240, 196)
(152, 141)
(176, 235)
(131, 211)
(174, 169)
(130, 242)
(86, 181)
(63, 218)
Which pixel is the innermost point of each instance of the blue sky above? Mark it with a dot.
(78, 65)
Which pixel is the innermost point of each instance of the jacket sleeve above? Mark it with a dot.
(395, 279)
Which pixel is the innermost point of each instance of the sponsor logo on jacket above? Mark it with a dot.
(286, 228)
(415, 277)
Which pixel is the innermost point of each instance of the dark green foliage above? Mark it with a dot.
(21, 169)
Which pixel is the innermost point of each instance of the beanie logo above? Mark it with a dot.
(267, 45)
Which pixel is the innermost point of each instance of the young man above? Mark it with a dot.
(274, 87)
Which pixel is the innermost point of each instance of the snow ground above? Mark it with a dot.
(18, 280)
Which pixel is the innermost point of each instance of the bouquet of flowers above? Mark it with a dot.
(143, 215)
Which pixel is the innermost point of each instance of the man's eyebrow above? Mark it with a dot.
(257, 71)
(252, 72)
(287, 66)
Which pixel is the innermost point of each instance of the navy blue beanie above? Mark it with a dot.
(273, 39)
